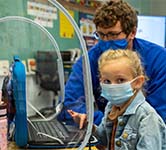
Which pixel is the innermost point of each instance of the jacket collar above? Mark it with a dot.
(139, 99)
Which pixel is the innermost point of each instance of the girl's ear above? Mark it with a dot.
(138, 83)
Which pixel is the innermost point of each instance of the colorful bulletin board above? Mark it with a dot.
(66, 29)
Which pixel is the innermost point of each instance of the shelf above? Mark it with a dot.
(74, 6)
(77, 7)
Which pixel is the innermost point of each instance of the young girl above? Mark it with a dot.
(129, 123)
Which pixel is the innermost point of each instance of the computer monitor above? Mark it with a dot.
(152, 28)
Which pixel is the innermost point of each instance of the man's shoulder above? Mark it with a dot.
(144, 43)
(94, 52)
(144, 47)
(94, 48)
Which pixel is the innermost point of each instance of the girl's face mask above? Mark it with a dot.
(117, 94)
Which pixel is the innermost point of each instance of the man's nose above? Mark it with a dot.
(105, 38)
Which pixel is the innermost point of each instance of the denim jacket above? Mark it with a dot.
(139, 128)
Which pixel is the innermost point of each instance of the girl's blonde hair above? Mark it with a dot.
(134, 60)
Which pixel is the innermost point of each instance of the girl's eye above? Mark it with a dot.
(106, 81)
(120, 80)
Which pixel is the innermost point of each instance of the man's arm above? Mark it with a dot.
(74, 93)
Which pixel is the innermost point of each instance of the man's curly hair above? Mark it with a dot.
(112, 11)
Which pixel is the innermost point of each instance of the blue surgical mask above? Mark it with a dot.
(113, 44)
(117, 94)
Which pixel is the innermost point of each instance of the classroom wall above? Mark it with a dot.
(149, 7)
(25, 39)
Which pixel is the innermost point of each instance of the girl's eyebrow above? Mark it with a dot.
(121, 75)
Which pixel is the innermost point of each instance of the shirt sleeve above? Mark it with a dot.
(74, 92)
(74, 88)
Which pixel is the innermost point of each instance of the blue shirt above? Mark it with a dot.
(139, 128)
(153, 58)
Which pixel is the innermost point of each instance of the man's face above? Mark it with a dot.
(113, 33)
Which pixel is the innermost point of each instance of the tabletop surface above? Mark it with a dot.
(12, 146)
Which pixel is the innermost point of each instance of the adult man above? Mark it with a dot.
(116, 26)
